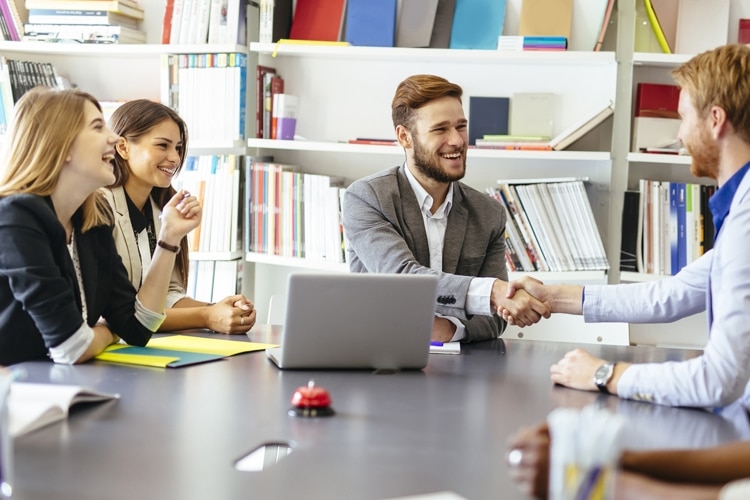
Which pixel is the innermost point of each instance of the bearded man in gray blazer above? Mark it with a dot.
(419, 218)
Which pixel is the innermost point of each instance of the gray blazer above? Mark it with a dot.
(385, 232)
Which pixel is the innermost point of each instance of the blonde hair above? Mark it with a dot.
(720, 77)
(45, 124)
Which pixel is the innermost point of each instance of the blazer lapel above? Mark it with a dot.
(89, 270)
(455, 231)
(413, 225)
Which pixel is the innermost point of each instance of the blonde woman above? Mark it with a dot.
(64, 293)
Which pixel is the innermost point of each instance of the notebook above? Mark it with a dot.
(357, 321)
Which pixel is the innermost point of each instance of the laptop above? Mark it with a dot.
(357, 320)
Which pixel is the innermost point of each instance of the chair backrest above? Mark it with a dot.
(276, 309)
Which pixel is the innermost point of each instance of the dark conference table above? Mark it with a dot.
(176, 433)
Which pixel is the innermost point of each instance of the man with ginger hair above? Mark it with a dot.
(714, 97)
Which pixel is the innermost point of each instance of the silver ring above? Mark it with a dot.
(515, 457)
(242, 321)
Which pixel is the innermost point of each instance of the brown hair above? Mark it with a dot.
(132, 121)
(720, 77)
(415, 92)
(45, 125)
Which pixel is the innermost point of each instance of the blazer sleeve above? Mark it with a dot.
(33, 260)
(109, 292)
(377, 242)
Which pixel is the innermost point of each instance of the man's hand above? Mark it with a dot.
(522, 308)
(558, 298)
(443, 330)
(528, 458)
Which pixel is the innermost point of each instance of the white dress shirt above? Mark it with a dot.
(718, 282)
(478, 296)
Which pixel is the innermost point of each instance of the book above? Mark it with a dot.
(166, 23)
(371, 24)
(487, 115)
(82, 33)
(630, 222)
(546, 18)
(605, 25)
(584, 125)
(33, 406)
(275, 20)
(12, 29)
(656, 121)
(63, 16)
(514, 43)
(260, 77)
(318, 20)
(701, 25)
(531, 114)
(442, 25)
(415, 21)
(589, 24)
(477, 24)
(284, 121)
(661, 26)
(743, 31)
(128, 8)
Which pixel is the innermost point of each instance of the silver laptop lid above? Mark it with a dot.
(352, 320)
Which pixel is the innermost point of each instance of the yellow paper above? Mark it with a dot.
(134, 359)
(206, 346)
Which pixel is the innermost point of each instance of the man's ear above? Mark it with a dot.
(123, 148)
(404, 137)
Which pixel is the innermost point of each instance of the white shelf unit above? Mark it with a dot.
(345, 92)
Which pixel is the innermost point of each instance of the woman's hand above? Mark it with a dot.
(180, 215)
(232, 315)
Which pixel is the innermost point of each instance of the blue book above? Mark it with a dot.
(673, 231)
(371, 23)
(477, 24)
(487, 116)
(682, 242)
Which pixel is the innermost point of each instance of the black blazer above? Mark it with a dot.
(40, 302)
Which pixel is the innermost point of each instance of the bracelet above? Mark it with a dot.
(167, 246)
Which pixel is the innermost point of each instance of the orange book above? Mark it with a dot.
(318, 20)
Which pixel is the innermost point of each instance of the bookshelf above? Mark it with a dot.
(113, 72)
(332, 80)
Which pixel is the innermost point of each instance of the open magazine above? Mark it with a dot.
(33, 406)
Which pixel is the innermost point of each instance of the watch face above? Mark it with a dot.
(603, 374)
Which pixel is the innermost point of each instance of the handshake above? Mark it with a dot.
(525, 301)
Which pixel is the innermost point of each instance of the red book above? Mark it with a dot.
(318, 20)
(260, 72)
(657, 100)
(166, 28)
(743, 35)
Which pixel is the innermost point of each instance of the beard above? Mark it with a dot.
(429, 164)
(705, 155)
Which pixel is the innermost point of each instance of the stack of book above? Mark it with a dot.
(673, 226)
(11, 25)
(215, 118)
(506, 43)
(84, 21)
(550, 226)
(17, 77)
(293, 214)
(205, 21)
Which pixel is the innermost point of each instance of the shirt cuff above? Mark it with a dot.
(736, 490)
(74, 346)
(148, 318)
(478, 297)
(460, 332)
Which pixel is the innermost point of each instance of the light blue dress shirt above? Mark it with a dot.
(718, 282)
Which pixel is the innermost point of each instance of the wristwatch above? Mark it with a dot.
(603, 375)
